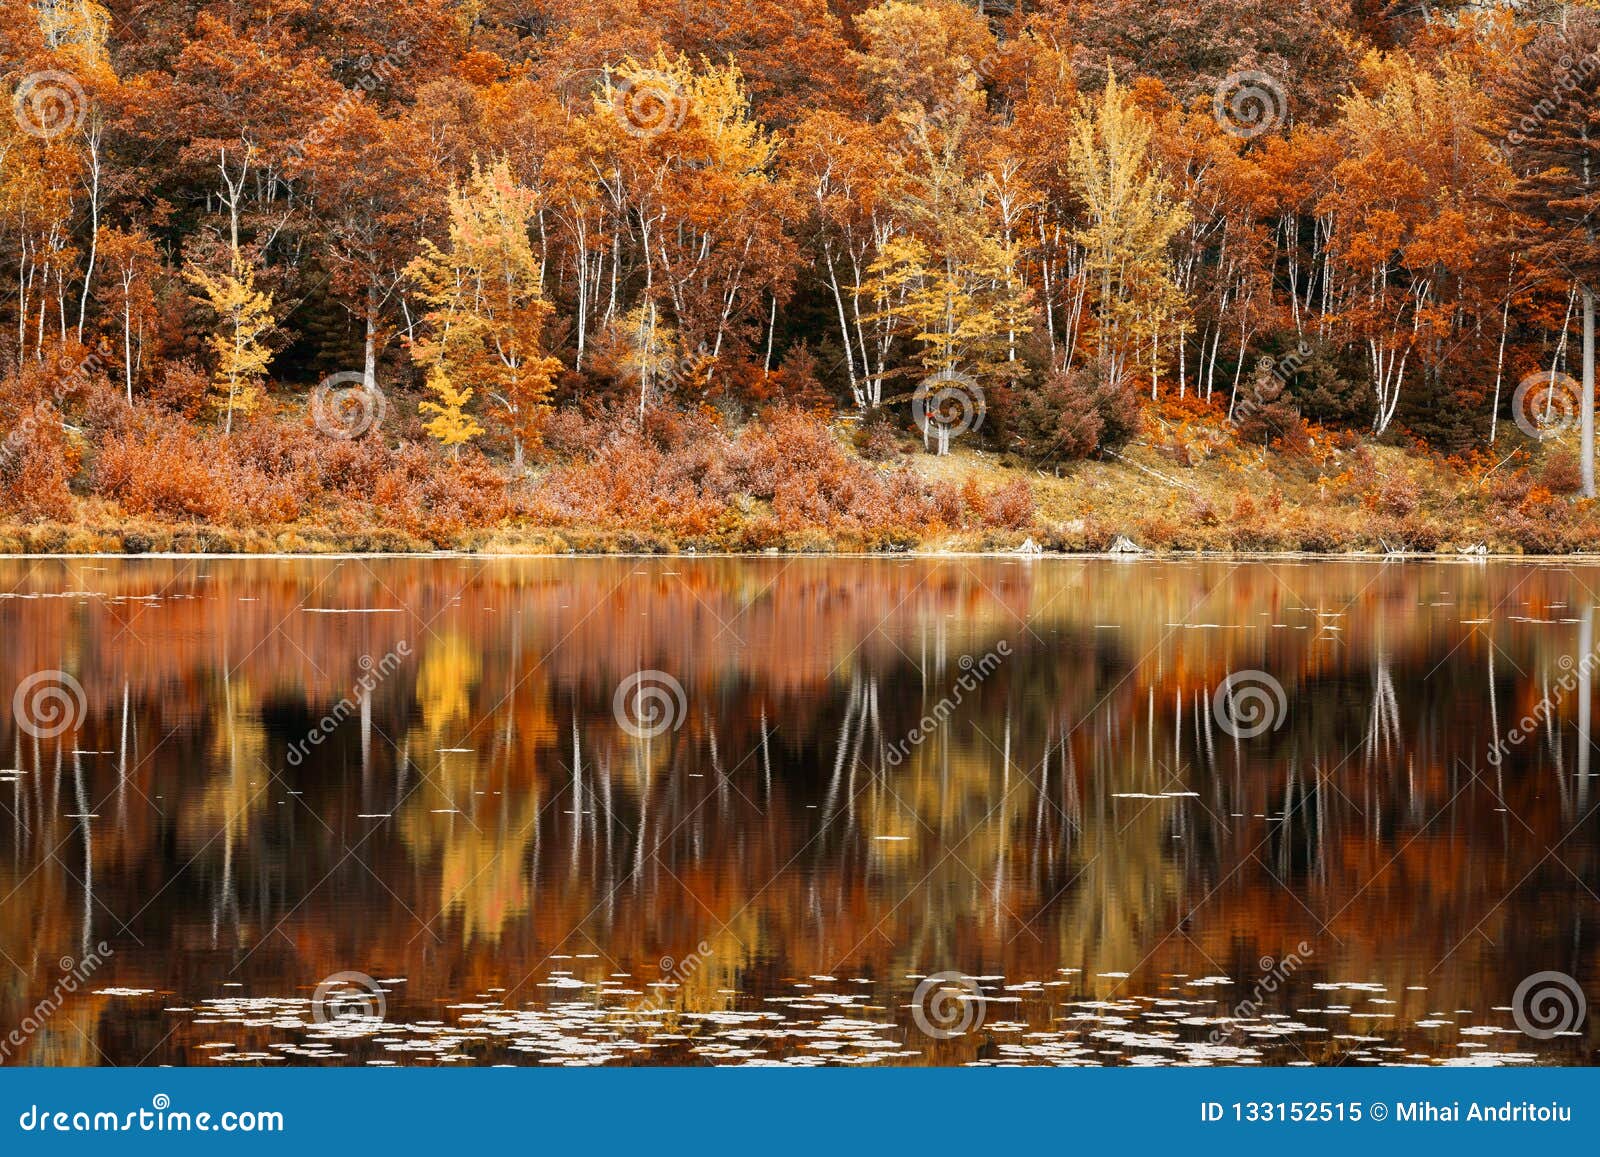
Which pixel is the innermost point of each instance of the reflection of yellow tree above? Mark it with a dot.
(958, 825)
(478, 812)
(481, 873)
(449, 671)
(1126, 883)
(230, 800)
(36, 927)
(67, 1037)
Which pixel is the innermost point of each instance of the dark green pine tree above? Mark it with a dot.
(1554, 147)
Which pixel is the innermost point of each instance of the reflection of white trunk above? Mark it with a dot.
(122, 763)
(1383, 726)
(766, 757)
(88, 854)
(577, 794)
(1494, 702)
(366, 738)
(844, 744)
(1585, 707)
(1552, 742)
(1586, 430)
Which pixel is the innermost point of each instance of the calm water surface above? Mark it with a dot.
(840, 811)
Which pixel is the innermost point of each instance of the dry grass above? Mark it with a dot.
(1183, 485)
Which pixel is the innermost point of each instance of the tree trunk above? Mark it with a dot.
(1586, 436)
(127, 344)
(94, 230)
(369, 359)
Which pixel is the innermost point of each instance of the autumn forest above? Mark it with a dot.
(283, 275)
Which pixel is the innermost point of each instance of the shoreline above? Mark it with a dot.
(862, 555)
(1375, 501)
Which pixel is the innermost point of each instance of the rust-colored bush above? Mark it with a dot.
(181, 387)
(877, 440)
(160, 469)
(1396, 495)
(37, 464)
(1011, 505)
(1562, 474)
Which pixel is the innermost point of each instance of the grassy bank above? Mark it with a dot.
(799, 484)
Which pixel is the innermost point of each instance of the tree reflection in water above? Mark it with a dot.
(850, 800)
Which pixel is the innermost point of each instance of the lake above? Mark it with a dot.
(469, 811)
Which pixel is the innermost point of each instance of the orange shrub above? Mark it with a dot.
(160, 469)
(36, 469)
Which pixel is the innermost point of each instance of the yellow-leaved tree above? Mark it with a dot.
(946, 269)
(486, 313)
(1129, 218)
(451, 424)
(238, 344)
